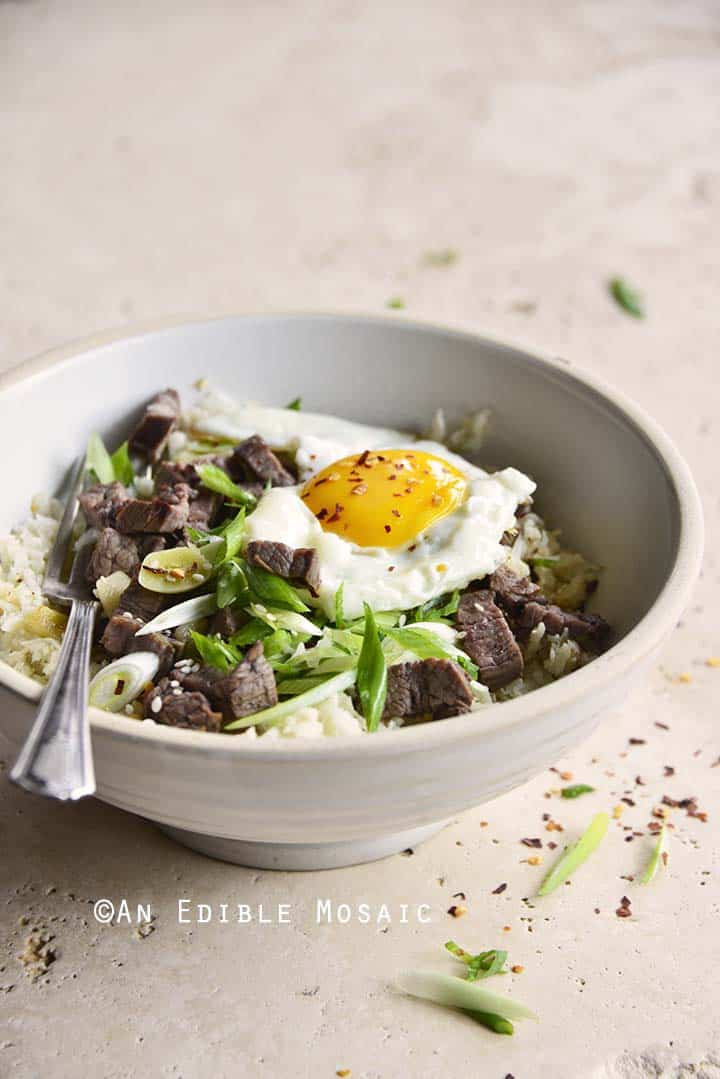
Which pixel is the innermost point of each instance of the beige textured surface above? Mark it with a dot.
(174, 159)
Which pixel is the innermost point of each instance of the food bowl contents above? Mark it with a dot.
(279, 573)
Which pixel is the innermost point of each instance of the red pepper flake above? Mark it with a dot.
(396, 513)
(119, 687)
(499, 890)
(662, 726)
(460, 895)
(321, 514)
(363, 457)
(637, 741)
(627, 801)
(414, 547)
(532, 842)
(336, 514)
(390, 569)
(387, 528)
(640, 782)
(668, 771)
(457, 911)
(623, 911)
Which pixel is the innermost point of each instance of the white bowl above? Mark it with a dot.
(607, 475)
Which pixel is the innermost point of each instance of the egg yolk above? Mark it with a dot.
(384, 498)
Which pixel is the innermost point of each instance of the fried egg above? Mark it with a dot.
(397, 522)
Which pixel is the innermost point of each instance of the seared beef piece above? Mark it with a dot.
(247, 689)
(253, 460)
(100, 504)
(112, 552)
(227, 621)
(202, 680)
(180, 709)
(512, 592)
(438, 687)
(205, 505)
(300, 565)
(140, 602)
(119, 639)
(488, 640)
(166, 512)
(158, 421)
(589, 630)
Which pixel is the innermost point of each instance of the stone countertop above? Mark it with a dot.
(178, 159)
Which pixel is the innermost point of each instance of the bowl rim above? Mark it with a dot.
(632, 649)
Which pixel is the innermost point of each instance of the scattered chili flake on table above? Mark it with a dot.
(668, 771)
(457, 911)
(460, 895)
(532, 842)
(624, 911)
(499, 890)
(517, 969)
(637, 741)
(554, 826)
(662, 726)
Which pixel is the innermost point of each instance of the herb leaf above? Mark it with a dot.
(231, 584)
(427, 645)
(655, 858)
(254, 630)
(273, 590)
(295, 405)
(372, 673)
(122, 465)
(576, 790)
(627, 297)
(98, 459)
(483, 965)
(435, 610)
(339, 607)
(217, 479)
(214, 652)
(575, 856)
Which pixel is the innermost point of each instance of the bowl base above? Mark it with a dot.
(301, 856)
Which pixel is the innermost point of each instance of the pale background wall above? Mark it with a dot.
(173, 159)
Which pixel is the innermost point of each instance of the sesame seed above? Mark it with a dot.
(156, 705)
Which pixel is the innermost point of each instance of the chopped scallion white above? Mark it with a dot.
(122, 681)
(180, 615)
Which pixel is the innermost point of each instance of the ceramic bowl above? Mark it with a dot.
(606, 474)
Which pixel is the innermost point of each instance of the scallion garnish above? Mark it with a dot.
(436, 610)
(576, 790)
(482, 965)
(190, 610)
(273, 590)
(371, 673)
(455, 992)
(122, 681)
(98, 460)
(339, 607)
(122, 465)
(314, 696)
(295, 405)
(627, 297)
(231, 584)
(658, 855)
(214, 651)
(574, 856)
(428, 645)
(216, 479)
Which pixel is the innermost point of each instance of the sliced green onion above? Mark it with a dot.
(497, 1023)
(655, 858)
(546, 561)
(290, 620)
(429, 645)
(575, 856)
(576, 791)
(295, 405)
(483, 965)
(455, 992)
(339, 607)
(231, 583)
(179, 569)
(217, 479)
(122, 681)
(190, 610)
(435, 610)
(252, 631)
(214, 651)
(122, 465)
(273, 590)
(233, 533)
(627, 297)
(98, 459)
(314, 696)
(372, 674)
(295, 687)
